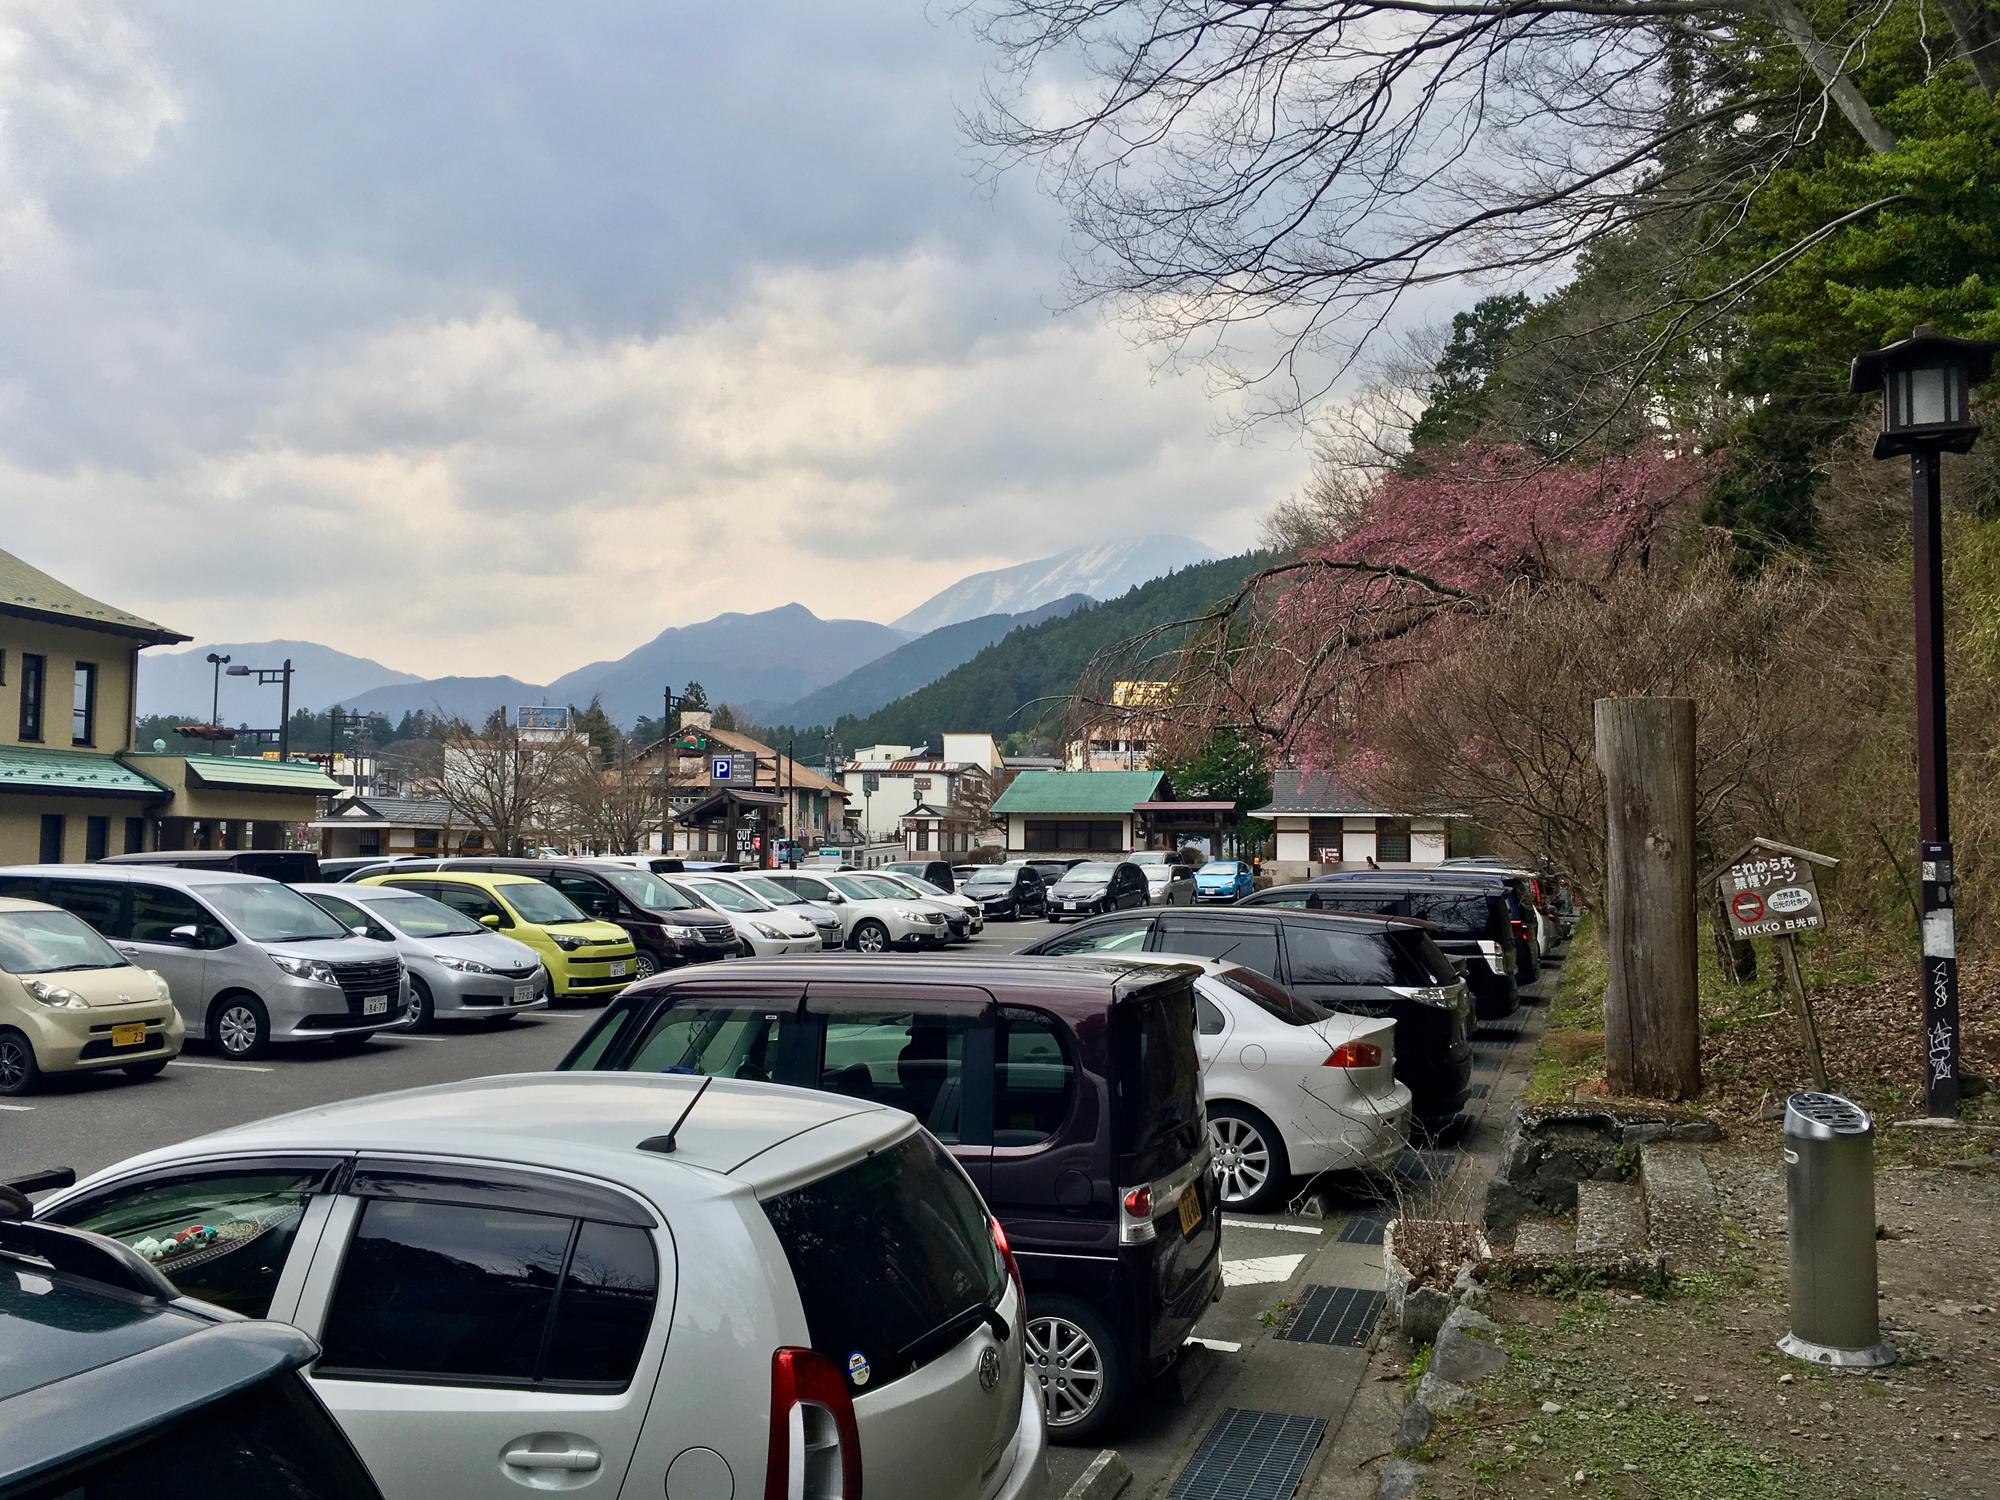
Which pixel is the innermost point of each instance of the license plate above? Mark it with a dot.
(133, 1035)
(524, 991)
(375, 1005)
(1190, 1207)
(618, 969)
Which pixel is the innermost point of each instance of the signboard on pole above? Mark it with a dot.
(721, 767)
(1770, 893)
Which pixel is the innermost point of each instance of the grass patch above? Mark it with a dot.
(1419, 1363)
(1572, 1048)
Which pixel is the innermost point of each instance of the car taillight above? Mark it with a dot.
(1354, 1055)
(1520, 927)
(1139, 1203)
(1136, 1227)
(1538, 892)
(1013, 1266)
(815, 1446)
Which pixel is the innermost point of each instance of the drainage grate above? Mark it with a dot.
(1333, 1315)
(1424, 1166)
(1361, 1229)
(1494, 1032)
(1481, 1090)
(1250, 1455)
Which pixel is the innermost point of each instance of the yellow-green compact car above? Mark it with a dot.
(70, 1002)
(584, 958)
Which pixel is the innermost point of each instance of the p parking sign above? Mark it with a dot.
(721, 767)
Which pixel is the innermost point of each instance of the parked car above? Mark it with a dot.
(667, 927)
(581, 958)
(1097, 886)
(1223, 880)
(346, 866)
(937, 871)
(1052, 868)
(251, 963)
(287, 865)
(1470, 922)
(1362, 966)
(457, 967)
(1006, 893)
(763, 930)
(1292, 1089)
(118, 1386)
(965, 917)
(825, 920)
(1521, 913)
(71, 1003)
(679, 1285)
(1168, 883)
(1082, 1125)
(873, 922)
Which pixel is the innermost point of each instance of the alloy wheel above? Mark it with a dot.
(236, 1030)
(1242, 1157)
(871, 937)
(1069, 1367)
(14, 1064)
(645, 966)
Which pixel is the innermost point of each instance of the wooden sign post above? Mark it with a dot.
(1769, 891)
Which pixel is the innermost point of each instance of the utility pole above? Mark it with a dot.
(669, 757)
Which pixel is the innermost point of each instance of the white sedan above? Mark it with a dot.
(1293, 1089)
(973, 911)
(765, 931)
(875, 919)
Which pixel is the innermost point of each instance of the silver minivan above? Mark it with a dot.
(457, 966)
(250, 962)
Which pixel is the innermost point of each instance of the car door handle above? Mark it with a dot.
(571, 1460)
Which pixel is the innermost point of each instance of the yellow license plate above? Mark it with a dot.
(1190, 1207)
(133, 1035)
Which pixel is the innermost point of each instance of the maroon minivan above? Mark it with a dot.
(1069, 1089)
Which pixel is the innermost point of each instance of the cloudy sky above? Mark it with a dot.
(486, 336)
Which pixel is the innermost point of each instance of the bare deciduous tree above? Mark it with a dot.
(506, 786)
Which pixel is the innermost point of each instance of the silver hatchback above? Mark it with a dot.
(458, 968)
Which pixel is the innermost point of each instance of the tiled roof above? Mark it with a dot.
(25, 769)
(250, 773)
(1318, 793)
(27, 590)
(394, 812)
(1099, 792)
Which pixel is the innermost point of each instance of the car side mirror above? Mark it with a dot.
(836, 898)
(187, 937)
(357, 931)
(491, 919)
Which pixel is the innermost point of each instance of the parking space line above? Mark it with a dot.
(404, 1036)
(1259, 1270)
(182, 1062)
(1220, 1346)
(1229, 1223)
(19, 1109)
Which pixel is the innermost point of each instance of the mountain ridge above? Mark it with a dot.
(1100, 570)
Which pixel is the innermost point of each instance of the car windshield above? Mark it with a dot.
(728, 897)
(49, 942)
(779, 895)
(867, 888)
(266, 912)
(1088, 874)
(645, 889)
(924, 887)
(420, 917)
(1224, 867)
(993, 875)
(1150, 857)
(534, 902)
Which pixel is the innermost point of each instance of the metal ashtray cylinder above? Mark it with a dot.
(1830, 1200)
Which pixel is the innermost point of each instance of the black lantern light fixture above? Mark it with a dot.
(1926, 382)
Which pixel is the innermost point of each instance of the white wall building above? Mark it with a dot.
(1323, 826)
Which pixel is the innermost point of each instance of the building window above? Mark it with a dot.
(97, 838)
(427, 838)
(1324, 838)
(1392, 841)
(1039, 833)
(52, 838)
(135, 835)
(83, 705)
(31, 695)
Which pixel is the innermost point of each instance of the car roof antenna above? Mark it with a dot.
(664, 1144)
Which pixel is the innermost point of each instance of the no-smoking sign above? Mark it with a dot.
(1747, 907)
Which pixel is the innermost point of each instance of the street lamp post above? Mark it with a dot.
(215, 695)
(1926, 382)
(265, 677)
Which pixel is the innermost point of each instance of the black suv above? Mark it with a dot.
(1365, 966)
(1469, 922)
(114, 1384)
(1007, 892)
(1069, 1092)
(668, 928)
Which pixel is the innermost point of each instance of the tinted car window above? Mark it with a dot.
(909, 1062)
(589, 895)
(448, 1293)
(96, 901)
(717, 1043)
(1418, 953)
(1100, 937)
(885, 1253)
(1035, 1080)
(157, 910)
(1252, 944)
(1157, 1080)
(1208, 1017)
(223, 1238)
(469, 899)
(1272, 999)
(1332, 955)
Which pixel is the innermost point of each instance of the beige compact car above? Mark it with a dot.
(69, 1001)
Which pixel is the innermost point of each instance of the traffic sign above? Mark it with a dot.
(1747, 907)
(1770, 892)
(721, 767)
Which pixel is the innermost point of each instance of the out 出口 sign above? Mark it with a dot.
(1770, 893)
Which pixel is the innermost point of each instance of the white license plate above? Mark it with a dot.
(618, 969)
(375, 1005)
(524, 992)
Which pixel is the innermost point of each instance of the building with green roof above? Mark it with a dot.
(1078, 812)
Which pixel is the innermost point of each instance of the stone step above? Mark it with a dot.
(1610, 1218)
(1683, 1218)
(1544, 1241)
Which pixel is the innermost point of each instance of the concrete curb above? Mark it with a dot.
(1107, 1477)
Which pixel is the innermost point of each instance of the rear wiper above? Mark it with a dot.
(955, 1327)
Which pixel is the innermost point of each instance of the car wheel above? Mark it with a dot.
(422, 1010)
(19, 1072)
(549, 986)
(871, 937)
(645, 966)
(1075, 1357)
(1249, 1157)
(152, 1069)
(239, 1026)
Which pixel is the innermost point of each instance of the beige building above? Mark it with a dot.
(72, 786)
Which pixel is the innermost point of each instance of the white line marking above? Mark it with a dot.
(1220, 1346)
(19, 1109)
(182, 1062)
(1229, 1223)
(404, 1036)
(1259, 1270)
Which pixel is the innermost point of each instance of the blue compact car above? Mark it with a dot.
(1223, 880)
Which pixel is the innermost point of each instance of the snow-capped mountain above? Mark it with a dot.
(1102, 571)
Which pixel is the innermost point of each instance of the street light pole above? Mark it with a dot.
(669, 754)
(265, 676)
(215, 695)
(1926, 383)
